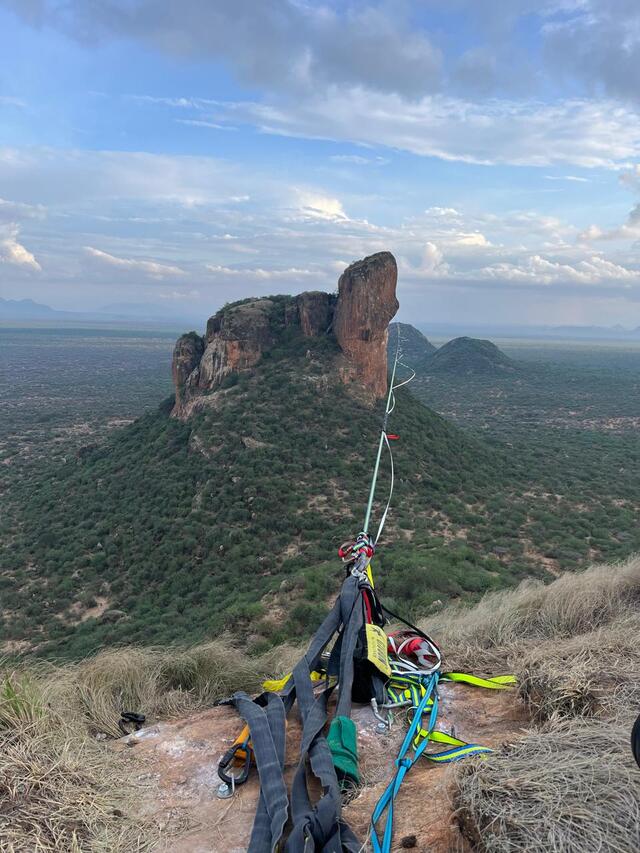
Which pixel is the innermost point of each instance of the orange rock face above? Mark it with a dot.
(238, 335)
(186, 358)
(366, 304)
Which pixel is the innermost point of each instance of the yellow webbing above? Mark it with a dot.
(498, 682)
(275, 685)
(463, 748)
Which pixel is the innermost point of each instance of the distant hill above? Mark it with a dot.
(27, 309)
(415, 347)
(469, 355)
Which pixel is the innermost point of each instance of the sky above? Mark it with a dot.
(182, 155)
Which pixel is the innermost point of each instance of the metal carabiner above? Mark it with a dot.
(232, 756)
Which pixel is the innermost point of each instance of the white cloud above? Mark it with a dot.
(259, 274)
(132, 212)
(574, 178)
(11, 211)
(433, 260)
(359, 160)
(14, 253)
(320, 206)
(153, 269)
(8, 101)
(180, 295)
(585, 133)
(203, 123)
(592, 270)
(474, 240)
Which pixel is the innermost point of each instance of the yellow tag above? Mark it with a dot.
(275, 685)
(377, 648)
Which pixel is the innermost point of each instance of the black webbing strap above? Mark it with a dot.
(267, 726)
(315, 826)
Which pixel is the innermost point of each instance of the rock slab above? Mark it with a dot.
(175, 766)
(237, 336)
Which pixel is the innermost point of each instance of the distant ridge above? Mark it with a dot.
(469, 355)
(415, 346)
(27, 309)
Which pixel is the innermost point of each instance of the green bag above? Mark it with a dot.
(343, 743)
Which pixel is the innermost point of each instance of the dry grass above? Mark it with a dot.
(595, 673)
(63, 790)
(571, 642)
(160, 683)
(570, 787)
(59, 789)
(573, 604)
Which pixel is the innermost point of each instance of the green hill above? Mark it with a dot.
(469, 355)
(415, 347)
(231, 520)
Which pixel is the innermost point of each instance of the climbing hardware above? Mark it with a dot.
(352, 657)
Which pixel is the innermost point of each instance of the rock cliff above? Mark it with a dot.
(238, 336)
(365, 307)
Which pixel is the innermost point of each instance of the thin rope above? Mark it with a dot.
(391, 404)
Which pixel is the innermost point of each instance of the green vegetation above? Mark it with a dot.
(416, 349)
(229, 521)
(469, 356)
(568, 420)
(165, 531)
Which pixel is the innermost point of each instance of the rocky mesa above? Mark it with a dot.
(238, 336)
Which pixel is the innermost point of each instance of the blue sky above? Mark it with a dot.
(185, 154)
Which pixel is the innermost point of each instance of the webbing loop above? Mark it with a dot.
(419, 691)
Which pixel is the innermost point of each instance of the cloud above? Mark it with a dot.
(404, 47)
(180, 295)
(201, 123)
(543, 271)
(7, 101)
(135, 214)
(579, 132)
(318, 206)
(629, 231)
(12, 211)
(358, 160)
(433, 261)
(288, 45)
(599, 46)
(153, 269)
(259, 274)
(14, 253)
(574, 178)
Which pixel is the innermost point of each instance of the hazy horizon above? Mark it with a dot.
(185, 156)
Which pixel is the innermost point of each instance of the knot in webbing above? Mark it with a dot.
(403, 762)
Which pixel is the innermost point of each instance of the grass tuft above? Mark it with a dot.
(61, 789)
(570, 786)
